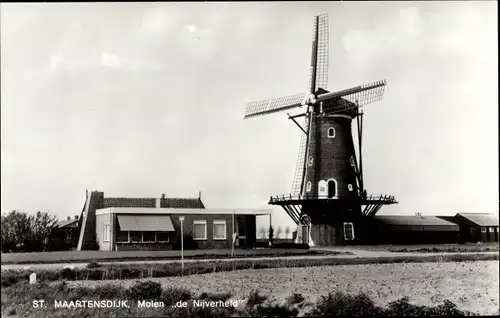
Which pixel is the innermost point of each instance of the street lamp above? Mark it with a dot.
(181, 218)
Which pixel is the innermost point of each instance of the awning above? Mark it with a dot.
(159, 223)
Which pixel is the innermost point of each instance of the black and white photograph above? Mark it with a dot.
(249, 159)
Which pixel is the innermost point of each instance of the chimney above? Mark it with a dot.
(199, 195)
(69, 218)
(76, 217)
(163, 195)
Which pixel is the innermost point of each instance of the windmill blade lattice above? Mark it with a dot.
(299, 168)
(365, 94)
(322, 54)
(273, 105)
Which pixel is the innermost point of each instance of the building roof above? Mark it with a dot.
(481, 219)
(412, 220)
(65, 223)
(167, 211)
(176, 203)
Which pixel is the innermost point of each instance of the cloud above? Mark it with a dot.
(111, 60)
(401, 35)
(191, 28)
(413, 32)
(158, 21)
(198, 42)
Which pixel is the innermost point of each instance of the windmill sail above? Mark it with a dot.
(274, 105)
(361, 95)
(299, 168)
(319, 66)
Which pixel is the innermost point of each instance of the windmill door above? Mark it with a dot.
(331, 189)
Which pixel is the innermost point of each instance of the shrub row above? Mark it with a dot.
(16, 300)
(453, 249)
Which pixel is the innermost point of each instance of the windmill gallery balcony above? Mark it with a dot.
(372, 198)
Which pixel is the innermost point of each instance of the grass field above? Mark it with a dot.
(87, 256)
(472, 286)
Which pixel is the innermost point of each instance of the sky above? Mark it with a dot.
(140, 99)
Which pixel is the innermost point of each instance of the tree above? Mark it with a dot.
(279, 230)
(41, 228)
(270, 233)
(16, 231)
(287, 232)
(262, 232)
(26, 233)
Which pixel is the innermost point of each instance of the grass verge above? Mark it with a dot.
(17, 300)
(269, 253)
(454, 249)
(95, 271)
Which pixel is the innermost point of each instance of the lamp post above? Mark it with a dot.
(181, 218)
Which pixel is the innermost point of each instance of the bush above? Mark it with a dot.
(172, 295)
(93, 264)
(255, 299)
(295, 298)
(68, 274)
(91, 245)
(290, 245)
(215, 296)
(57, 244)
(340, 304)
(148, 290)
(402, 307)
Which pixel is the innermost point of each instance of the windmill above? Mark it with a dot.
(328, 197)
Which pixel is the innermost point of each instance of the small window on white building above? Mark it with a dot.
(220, 230)
(135, 236)
(106, 233)
(352, 162)
(311, 160)
(199, 230)
(148, 236)
(483, 230)
(349, 186)
(331, 132)
(162, 237)
(308, 186)
(348, 231)
(121, 236)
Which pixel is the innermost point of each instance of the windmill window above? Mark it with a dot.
(311, 160)
(308, 186)
(348, 231)
(331, 132)
(491, 230)
(349, 186)
(483, 230)
(352, 161)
